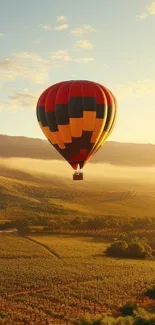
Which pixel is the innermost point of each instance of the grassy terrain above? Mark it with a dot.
(116, 153)
(38, 285)
(24, 194)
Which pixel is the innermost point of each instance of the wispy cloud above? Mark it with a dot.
(84, 44)
(34, 68)
(151, 8)
(143, 15)
(83, 60)
(148, 11)
(78, 31)
(31, 67)
(24, 99)
(61, 18)
(136, 89)
(61, 27)
(25, 65)
(20, 99)
(61, 55)
(46, 27)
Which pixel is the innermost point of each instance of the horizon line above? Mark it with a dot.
(44, 139)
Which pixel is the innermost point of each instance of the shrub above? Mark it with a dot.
(83, 321)
(128, 309)
(117, 248)
(142, 317)
(136, 249)
(132, 249)
(150, 293)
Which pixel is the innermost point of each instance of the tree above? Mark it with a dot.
(128, 309)
(150, 293)
(135, 249)
(132, 249)
(117, 248)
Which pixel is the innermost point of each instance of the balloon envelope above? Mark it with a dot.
(77, 116)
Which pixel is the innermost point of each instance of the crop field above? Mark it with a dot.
(54, 279)
(51, 279)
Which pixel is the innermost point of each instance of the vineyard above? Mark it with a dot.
(54, 279)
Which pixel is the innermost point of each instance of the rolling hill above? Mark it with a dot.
(34, 192)
(33, 181)
(115, 153)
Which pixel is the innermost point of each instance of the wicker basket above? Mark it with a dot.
(78, 176)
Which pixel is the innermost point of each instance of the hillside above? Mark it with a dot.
(29, 187)
(115, 153)
(55, 278)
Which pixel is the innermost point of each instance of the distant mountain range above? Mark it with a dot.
(115, 153)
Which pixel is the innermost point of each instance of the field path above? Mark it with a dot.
(27, 292)
(44, 246)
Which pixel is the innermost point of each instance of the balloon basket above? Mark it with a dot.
(78, 176)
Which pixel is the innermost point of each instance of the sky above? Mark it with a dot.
(45, 41)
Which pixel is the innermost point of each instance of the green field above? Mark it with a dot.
(67, 278)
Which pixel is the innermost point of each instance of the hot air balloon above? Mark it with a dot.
(77, 117)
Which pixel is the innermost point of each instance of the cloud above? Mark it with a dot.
(32, 67)
(151, 8)
(83, 60)
(61, 18)
(136, 89)
(61, 27)
(1, 34)
(25, 65)
(47, 27)
(20, 99)
(148, 11)
(78, 31)
(24, 98)
(142, 16)
(61, 55)
(84, 44)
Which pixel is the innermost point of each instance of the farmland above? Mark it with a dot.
(38, 285)
(55, 276)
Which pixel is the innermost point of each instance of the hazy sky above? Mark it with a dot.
(109, 41)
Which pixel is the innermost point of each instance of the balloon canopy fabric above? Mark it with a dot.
(77, 116)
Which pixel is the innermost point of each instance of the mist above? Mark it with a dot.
(92, 171)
